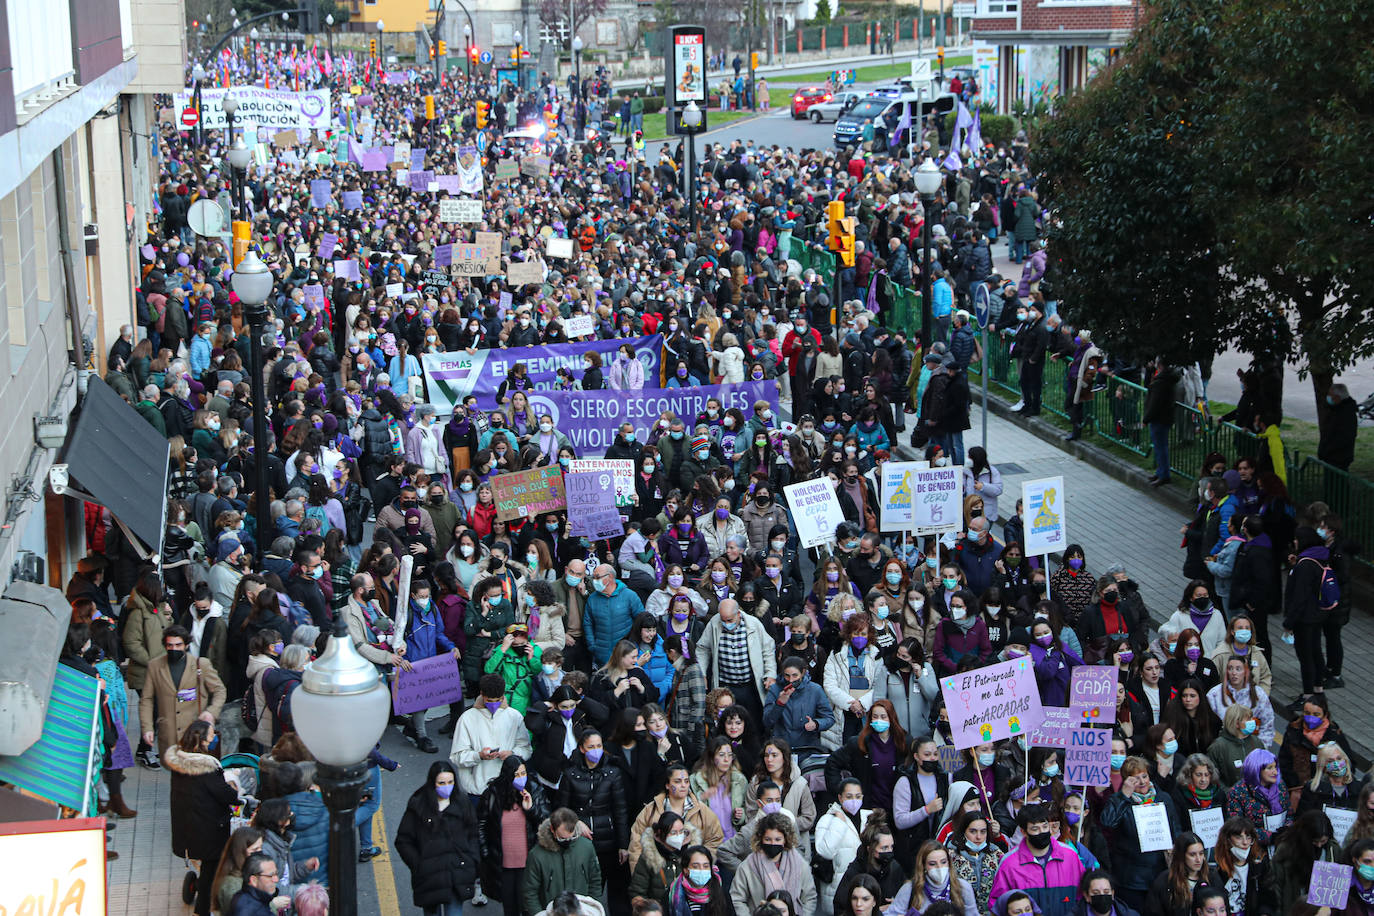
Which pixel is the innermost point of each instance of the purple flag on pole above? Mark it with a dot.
(974, 138)
(953, 162)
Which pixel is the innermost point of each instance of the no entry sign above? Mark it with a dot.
(189, 116)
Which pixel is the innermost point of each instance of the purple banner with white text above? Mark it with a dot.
(591, 419)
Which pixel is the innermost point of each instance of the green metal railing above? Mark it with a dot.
(1352, 498)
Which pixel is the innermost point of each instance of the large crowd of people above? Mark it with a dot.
(698, 717)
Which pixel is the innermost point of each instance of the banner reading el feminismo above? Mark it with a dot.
(451, 377)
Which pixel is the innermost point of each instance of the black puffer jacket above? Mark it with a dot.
(201, 802)
(376, 435)
(598, 797)
(439, 847)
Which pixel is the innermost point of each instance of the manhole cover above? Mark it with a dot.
(1008, 467)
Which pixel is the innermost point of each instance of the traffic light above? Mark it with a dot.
(431, 52)
(940, 58)
(443, 48)
(474, 54)
(841, 229)
(482, 109)
(429, 107)
(372, 47)
(753, 60)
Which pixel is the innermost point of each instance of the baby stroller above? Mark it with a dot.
(243, 768)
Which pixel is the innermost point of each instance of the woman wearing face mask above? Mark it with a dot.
(997, 616)
(509, 812)
(1237, 739)
(682, 544)
(1106, 625)
(1173, 892)
(1334, 783)
(830, 583)
(1306, 842)
(963, 635)
(1136, 870)
(876, 861)
(438, 840)
(1236, 687)
(1240, 642)
(1072, 585)
(988, 778)
(849, 676)
(974, 856)
(922, 793)
(1246, 870)
(663, 855)
(775, 864)
(933, 881)
(674, 585)
(1197, 612)
(720, 525)
(485, 625)
(594, 788)
(874, 755)
(1192, 720)
(1190, 662)
(907, 680)
(1260, 797)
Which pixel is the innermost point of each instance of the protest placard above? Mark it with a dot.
(314, 295)
(559, 248)
(1152, 827)
(347, 270)
(328, 241)
(579, 326)
(321, 192)
(474, 259)
(420, 180)
(401, 152)
(506, 169)
(990, 703)
(1342, 819)
(353, 200)
(1046, 518)
(591, 505)
(535, 166)
(1053, 730)
(951, 758)
(374, 160)
(1088, 758)
(433, 282)
(528, 493)
(1092, 694)
(518, 273)
(448, 183)
(815, 510)
(896, 510)
(926, 498)
(394, 290)
(622, 471)
(460, 210)
(1329, 885)
(285, 139)
(430, 682)
(1207, 823)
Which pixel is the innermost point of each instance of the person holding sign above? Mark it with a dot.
(1135, 865)
(1173, 891)
(1306, 843)
(1259, 797)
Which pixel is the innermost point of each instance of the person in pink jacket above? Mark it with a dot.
(627, 373)
(1041, 866)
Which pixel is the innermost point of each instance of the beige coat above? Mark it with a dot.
(169, 709)
(143, 636)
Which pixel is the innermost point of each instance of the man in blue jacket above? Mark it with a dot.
(797, 708)
(977, 555)
(609, 614)
(425, 638)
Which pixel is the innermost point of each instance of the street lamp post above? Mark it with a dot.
(198, 74)
(340, 711)
(381, 42)
(927, 183)
(253, 50)
(691, 119)
(579, 108)
(253, 284)
(519, 57)
(230, 105)
(329, 21)
(467, 50)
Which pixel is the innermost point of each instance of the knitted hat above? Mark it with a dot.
(227, 548)
(700, 442)
(412, 515)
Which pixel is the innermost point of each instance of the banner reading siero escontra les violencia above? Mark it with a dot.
(451, 377)
(275, 109)
(591, 419)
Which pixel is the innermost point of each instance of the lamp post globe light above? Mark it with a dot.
(329, 23)
(579, 110)
(252, 283)
(928, 180)
(340, 711)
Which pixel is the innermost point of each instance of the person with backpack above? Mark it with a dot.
(277, 686)
(1310, 597)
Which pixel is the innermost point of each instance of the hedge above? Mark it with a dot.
(996, 129)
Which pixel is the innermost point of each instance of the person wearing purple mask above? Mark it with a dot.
(438, 841)
(1302, 739)
(682, 543)
(1053, 664)
(839, 833)
(850, 675)
(1072, 585)
(719, 525)
(1189, 662)
(514, 800)
(595, 789)
(487, 734)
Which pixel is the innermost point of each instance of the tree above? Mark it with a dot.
(1213, 188)
(554, 13)
(822, 12)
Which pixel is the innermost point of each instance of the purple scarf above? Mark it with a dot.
(1200, 618)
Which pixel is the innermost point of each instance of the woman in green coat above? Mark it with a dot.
(517, 661)
(489, 613)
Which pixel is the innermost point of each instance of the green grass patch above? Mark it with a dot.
(1303, 436)
(656, 125)
(873, 74)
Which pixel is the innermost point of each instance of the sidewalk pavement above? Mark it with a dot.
(1113, 521)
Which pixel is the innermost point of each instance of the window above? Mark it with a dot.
(997, 7)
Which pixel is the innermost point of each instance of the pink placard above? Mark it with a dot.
(991, 703)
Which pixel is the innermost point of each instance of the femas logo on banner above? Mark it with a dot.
(1046, 516)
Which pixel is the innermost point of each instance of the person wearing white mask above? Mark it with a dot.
(932, 881)
(838, 836)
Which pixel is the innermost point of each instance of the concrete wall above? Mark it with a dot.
(161, 45)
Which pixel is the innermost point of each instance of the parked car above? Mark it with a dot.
(805, 97)
(831, 109)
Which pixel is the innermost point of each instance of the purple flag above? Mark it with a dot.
(953, 162)
(974, 138)
(321, 192)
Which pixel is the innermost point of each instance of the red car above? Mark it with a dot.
(805, 97)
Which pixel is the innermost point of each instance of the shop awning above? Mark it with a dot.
(64, 763)
(35, 617)
(120, 462)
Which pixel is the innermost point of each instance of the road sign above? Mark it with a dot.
(982, 304)
(481, 141)
(963, 10)
(189, 117)
(205, 218)
(920, 70)
(486, 57)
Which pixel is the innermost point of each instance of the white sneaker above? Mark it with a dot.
(1018, 405)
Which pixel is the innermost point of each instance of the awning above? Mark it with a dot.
(35, 617)
(63, 765)
(120, 462)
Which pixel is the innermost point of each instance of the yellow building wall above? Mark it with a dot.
(396, 15)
